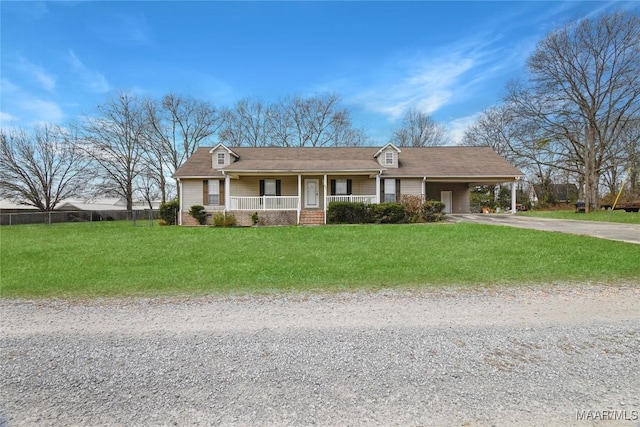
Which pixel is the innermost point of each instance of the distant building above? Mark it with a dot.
(556, 193)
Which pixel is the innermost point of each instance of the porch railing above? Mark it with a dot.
(265, 203)
(352, 198)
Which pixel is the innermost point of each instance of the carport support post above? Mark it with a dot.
(513, 197)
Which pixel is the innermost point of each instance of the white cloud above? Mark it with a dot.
(426, 81)
(124, 29)
(6, 118)
(459, 126)
(46, 79)
(93, 80)
(6, 87)
(25, 106)
(42, 111)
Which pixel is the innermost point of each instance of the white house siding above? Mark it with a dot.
(411, 186)
(364, 185)
(460, 195)
(192, 193)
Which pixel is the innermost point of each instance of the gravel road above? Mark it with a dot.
(563, 355)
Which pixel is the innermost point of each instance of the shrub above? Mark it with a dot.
(347, 213)
(199, 214)
(169, 212)
(413, 206)
(218, 219)
(388, 213)
(255, 219)
(229, 220)
(432, 211)
(221, 220)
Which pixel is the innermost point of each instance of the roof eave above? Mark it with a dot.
(305, 171)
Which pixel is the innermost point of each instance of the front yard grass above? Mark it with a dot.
(600, 215)
(118, 259)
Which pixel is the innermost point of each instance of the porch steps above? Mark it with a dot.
(311, 217)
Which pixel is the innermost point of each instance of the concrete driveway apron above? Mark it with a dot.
(605, 230)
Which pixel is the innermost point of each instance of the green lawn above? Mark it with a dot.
(602, 216)
(118, 259)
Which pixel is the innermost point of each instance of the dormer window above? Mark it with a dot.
(388, 158)
(220, 159)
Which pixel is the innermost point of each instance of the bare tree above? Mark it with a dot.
(584, 92)
(245, 124)
(177, 126)
(41, 167)
(292, 122)
(520, 141)
(495, 127)
(115, 140)
(317, 121)
(420, 130)
(628, 164)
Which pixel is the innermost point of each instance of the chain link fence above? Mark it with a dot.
(138, 217)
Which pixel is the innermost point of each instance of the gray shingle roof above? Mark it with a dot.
(441, 162)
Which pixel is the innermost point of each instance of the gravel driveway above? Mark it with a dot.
(566, 355)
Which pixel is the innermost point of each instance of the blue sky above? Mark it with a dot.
(59, 60)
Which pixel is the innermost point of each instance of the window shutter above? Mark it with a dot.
(221, 193)
(397, 191)
(349, 186)
(261, 187)
(205, 192)
(333, 187)
(278, 187)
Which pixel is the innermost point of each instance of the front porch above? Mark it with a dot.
(289, 203)
(287, 210)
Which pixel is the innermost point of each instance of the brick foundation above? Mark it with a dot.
(243, 218)
(188, 219)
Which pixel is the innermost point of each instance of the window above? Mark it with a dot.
(341, 187)
(388, 158)
(214, 192)
(270, 187)
(221, 158)
(389, 190)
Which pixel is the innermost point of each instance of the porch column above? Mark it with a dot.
(378, 188)
(513, 197)
(324, 196)
(299, 196)
(423, 189)
(180, 201)
(227, 192)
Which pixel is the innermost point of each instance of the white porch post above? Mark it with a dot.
(378, 188)
(227, 192)
(181, 199)
(324, 195)
(299, 196)
(423, 189)
(513, 197)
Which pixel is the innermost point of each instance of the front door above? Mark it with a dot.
(446, 198)
(311, 193)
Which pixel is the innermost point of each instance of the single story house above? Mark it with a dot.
(286, 185)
